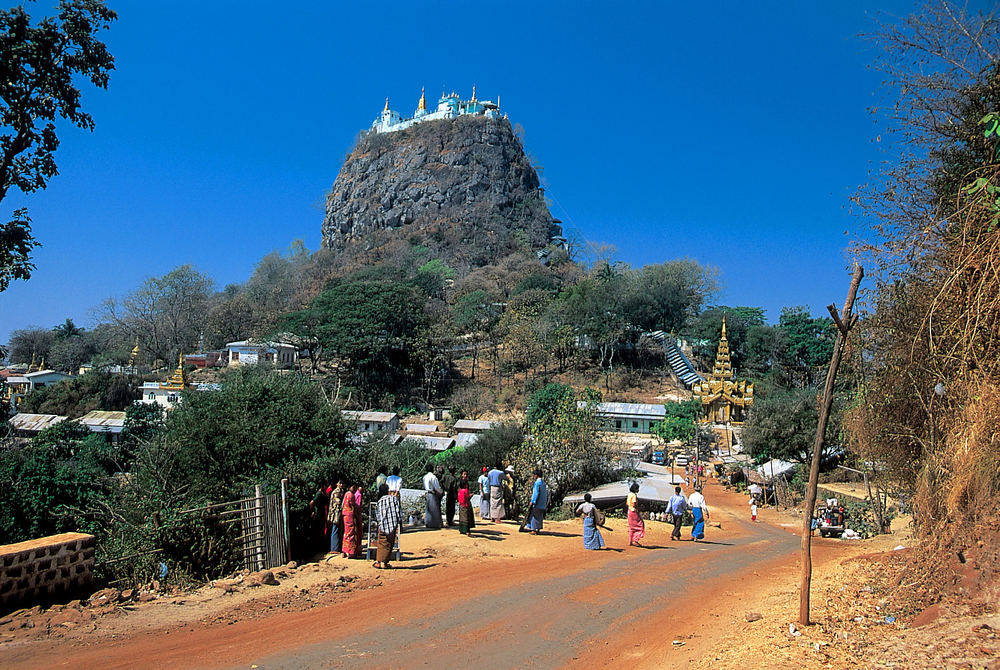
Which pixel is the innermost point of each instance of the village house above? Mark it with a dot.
(29, 425)
(109, 424)
(470, 426)
(629, 417)
(247, 352)
(372, 422)
(19, 386)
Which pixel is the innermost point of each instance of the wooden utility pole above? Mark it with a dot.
(845, 321)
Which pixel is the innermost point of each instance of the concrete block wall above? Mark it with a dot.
(41, 570)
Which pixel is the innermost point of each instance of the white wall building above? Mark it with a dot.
(449, 107)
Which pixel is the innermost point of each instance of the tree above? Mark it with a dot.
(663, 296)
(810, 342)
(222, 441)
(705, 330)
(679, 422)
(370, 326)
(166, 313)
(67, 329)
(28, 343)
(783, 425)
(564, 443)
(69, 353)
(40, 61)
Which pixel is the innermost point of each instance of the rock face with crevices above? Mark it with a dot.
(462, 187)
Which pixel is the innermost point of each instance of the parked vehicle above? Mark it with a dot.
(659, 457)
(830, 519)
(681, 461)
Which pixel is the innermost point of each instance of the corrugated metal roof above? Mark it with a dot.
(629, 409)
(377, 417)
(34, 423)
(420, 428)
(465, 425)
(101, 421)
(433, 443)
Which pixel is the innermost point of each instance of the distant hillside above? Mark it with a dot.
(462, 187)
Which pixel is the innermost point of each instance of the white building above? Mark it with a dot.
(166, 394)
(248, 352)
(449, 107)
(471, 426)
(109, 424)
(372, 422)
(629, 417)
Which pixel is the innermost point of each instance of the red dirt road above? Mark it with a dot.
(522, 601)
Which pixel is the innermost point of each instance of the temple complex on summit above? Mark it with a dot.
(449, 107)
(724, 400)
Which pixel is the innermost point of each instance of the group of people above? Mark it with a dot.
(341, 507)
(497, 500)
(593, 517)
(338, 509)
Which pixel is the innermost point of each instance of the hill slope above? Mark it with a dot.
(462, 187)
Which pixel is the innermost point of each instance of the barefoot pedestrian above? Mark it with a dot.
(700, 511)
(388, 518)
(539, 502)
(466, 517)
(636, 526)
(592, 538)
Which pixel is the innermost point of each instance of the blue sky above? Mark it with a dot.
(732, 133)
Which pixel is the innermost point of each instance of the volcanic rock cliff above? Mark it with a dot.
(462, 187)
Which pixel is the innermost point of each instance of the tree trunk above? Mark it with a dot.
(844, 323)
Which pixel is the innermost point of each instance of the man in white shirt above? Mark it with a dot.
(394, 481)
(698, 507)
(434, 493)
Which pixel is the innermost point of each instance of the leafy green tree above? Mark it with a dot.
(67, 329)
(783, 425)
(705, 330)
(28, 343)
(810, 342)
(592, 308)
(369, 326)
(76, 396)
(223, 441)
(680, 421)
(544, 404)
(663, 296)
(564, 443)
(41, 60)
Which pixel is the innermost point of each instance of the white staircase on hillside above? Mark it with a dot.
(679, 363)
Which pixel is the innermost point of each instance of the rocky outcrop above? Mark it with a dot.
(462, 187)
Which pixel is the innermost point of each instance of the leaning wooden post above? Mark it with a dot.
(845, 321)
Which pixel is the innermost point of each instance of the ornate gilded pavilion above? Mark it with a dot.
(724, 399)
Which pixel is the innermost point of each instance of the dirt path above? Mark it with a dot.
(503, 600)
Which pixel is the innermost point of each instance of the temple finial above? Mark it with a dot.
(473, 94)
(423, 101)
(386, 109)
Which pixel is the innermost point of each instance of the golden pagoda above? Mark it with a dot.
(724, 399)
(422, 106)
(176, 381)
(33, 366)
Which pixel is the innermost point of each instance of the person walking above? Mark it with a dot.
(388, 519)
(677, 505)
(466, 518)
(484, 495)
(352, 524)
(636, 526)
(433, 494)
(496, 478)
(539, 503)
(335, 516)
(753, 508)
(509, 498)
(592, 538)
(449, 482)
(700, 511)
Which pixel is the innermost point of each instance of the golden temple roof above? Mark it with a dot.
(176, 381)
(422, 106)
